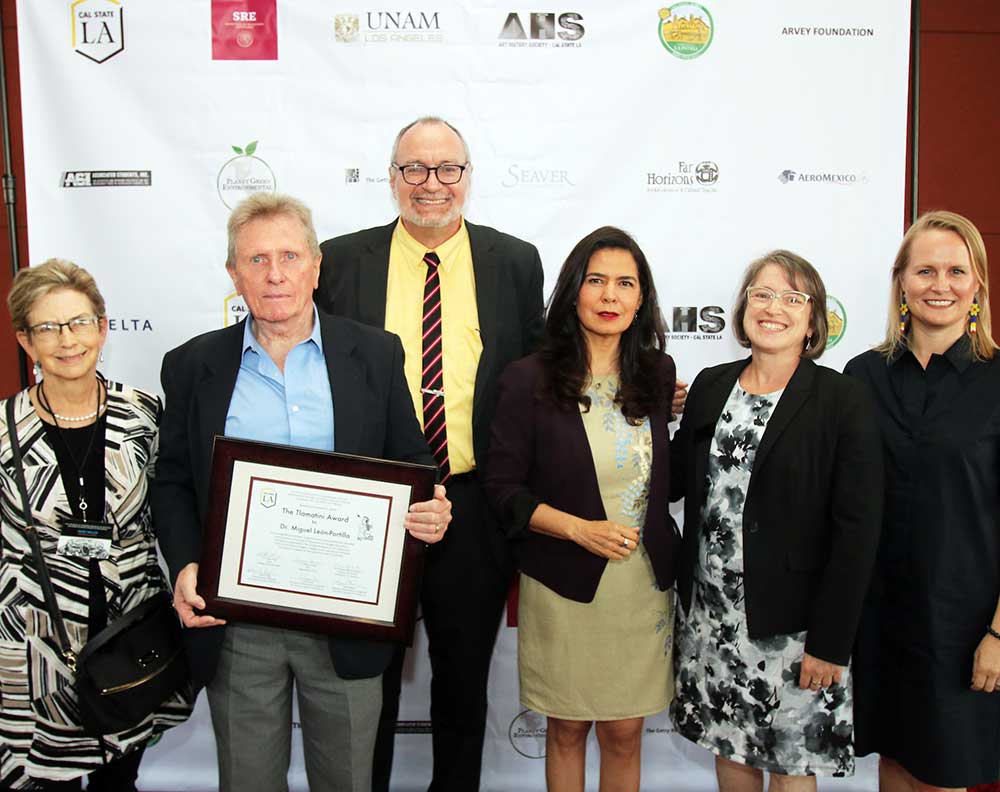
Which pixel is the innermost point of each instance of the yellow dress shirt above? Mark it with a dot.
(461, 343)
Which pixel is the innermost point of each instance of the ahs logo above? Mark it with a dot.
(98, 28)
(542, 26)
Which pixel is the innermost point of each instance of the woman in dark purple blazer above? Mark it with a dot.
(578, 470)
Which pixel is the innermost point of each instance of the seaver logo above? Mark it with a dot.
(98, 28)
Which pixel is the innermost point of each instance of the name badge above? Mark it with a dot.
(85, 540)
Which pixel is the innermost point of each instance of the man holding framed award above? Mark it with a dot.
(304, 539)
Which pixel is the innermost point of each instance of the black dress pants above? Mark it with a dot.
(463, 594)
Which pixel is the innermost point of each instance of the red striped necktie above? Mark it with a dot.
(432, 378)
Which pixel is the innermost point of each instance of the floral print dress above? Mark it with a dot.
(607, 659)
(736, 696)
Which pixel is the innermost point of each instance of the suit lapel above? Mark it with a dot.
(797, 392)
(374, 278)
(706, 412)
(484, 266)
(214, 390)
(346, 373)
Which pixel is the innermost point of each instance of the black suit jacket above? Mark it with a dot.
(508, 274)
(541, 455)
(372, 414)
(813, 508)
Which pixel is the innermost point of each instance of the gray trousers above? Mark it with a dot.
(250, 699)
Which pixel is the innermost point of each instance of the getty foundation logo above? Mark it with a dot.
(98, 28)
(244, 175)
(686, 30)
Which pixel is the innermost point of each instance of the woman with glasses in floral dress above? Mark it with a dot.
(778, 460)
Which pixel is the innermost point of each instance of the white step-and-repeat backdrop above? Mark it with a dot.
(713, 131)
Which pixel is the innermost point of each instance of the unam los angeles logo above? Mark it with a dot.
(686, 30)
(379, 27)
(98, 28)
(244, 175)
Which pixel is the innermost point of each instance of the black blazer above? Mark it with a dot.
(540, 454)
(373, 416)
(508, 273)
(813, 508)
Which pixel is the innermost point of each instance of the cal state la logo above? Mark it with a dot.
(98, 28)
(235, 310)
(268, 498)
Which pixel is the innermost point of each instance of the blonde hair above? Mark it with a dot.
(802, 275)
(265, 204)
(983, 347)
(33, 283)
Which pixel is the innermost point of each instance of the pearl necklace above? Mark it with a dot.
(76, 419)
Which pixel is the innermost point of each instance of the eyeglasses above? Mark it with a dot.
(79, 326)
(761, 297)
(415, 173)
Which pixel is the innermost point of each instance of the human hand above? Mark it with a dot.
(187, 600)
(428, 520)
(818, 673)
(680, 397)
(605, 538)
(986, 665)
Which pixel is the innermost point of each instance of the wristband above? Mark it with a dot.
(994, 633)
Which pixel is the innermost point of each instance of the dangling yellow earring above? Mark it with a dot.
(904, 315)
(973, 315)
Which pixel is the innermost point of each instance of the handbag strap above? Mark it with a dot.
(51, 605)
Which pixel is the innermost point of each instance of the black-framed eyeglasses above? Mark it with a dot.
(78, 325)
(415, 173)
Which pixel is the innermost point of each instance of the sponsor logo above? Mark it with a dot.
(244, 30)
(527, 734)
(828, 32)
(688, 176)
(244, 175)
(686, 30)
(111, 178)
(841, 179)
(268, 498)
(98, 28)
(388, 27)
(234, 310)
(518, 176)
(695, 323)
(129, 325)
(354, 176)
(543, 29)
(836, 319)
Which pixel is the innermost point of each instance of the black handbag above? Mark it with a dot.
(131, 666)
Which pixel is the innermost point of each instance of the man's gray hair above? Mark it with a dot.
(428, 120)
(265, 204)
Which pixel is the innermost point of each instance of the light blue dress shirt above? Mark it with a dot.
(294, 407)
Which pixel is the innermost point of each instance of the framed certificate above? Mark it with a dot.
(312, 540)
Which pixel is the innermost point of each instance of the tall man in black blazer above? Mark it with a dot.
(487, 287)
(294, 375)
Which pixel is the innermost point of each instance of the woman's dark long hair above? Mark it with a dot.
(564, 349)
